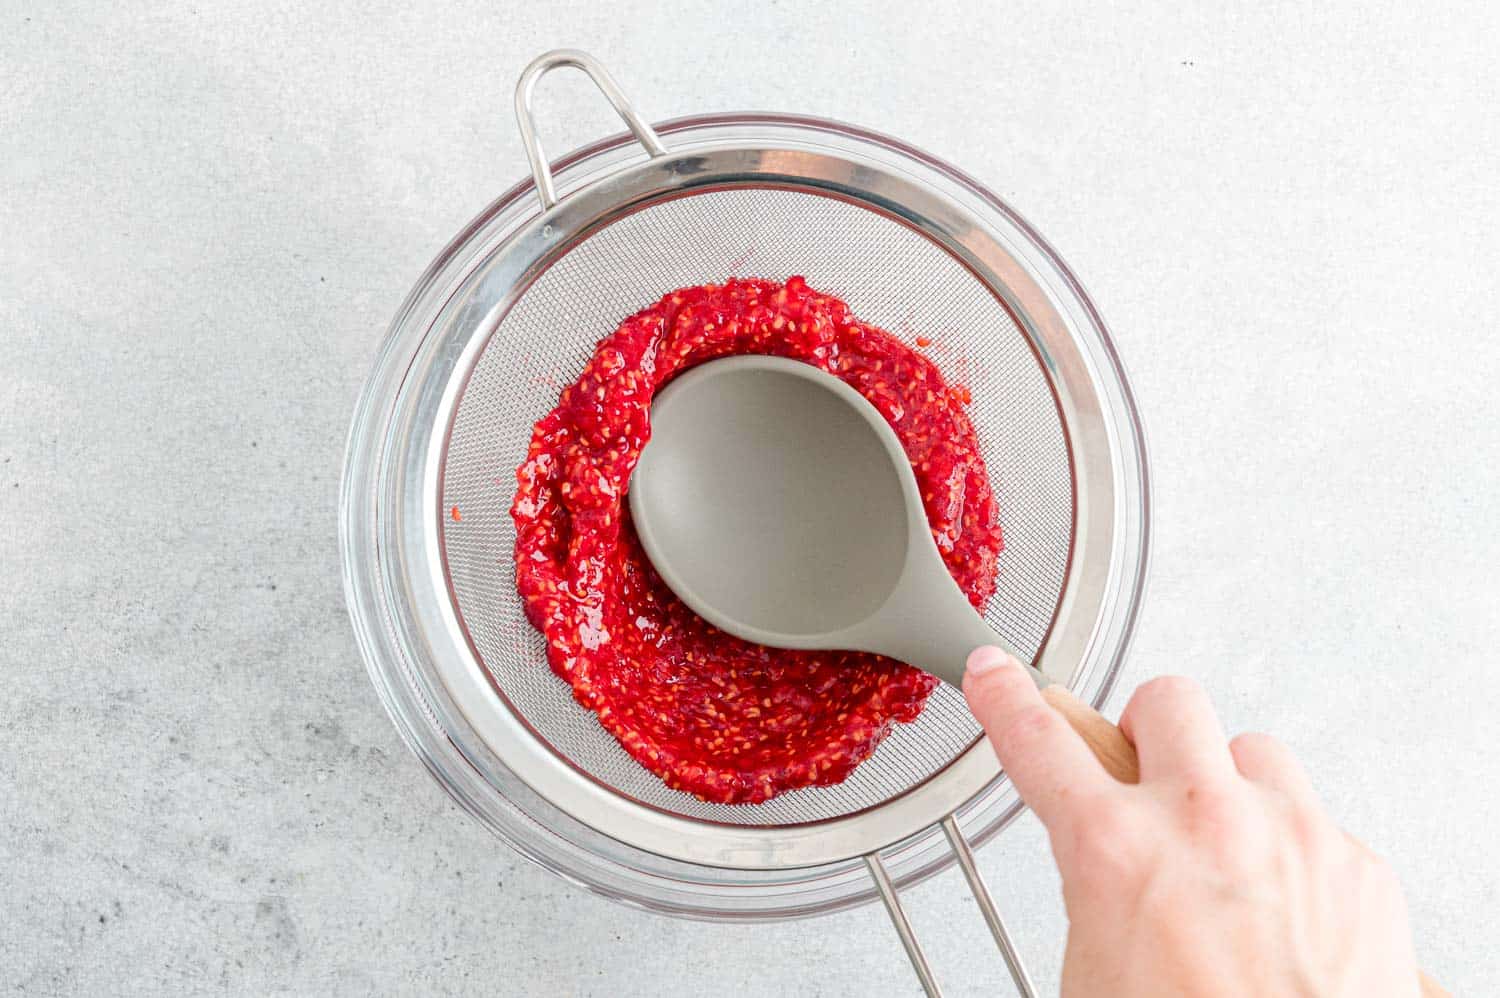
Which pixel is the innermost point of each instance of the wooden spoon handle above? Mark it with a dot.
(1104, 738)
(1117, 756)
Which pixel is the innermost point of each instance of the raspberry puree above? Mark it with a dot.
(729, 721)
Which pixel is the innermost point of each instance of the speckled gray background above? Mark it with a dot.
(209, 211)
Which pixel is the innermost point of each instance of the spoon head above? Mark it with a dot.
(774, 500)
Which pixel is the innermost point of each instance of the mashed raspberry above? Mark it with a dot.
(729, 721)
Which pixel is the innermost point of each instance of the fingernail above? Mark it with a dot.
(988, 658)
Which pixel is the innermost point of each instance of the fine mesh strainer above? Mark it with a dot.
(507, 315)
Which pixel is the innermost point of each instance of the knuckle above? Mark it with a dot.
(1220, 816)
(1161, 693)
(1106, 850)
(1171, 687)
(1213, 801)
(1108, 827)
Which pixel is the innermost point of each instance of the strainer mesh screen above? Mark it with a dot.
(891, 276)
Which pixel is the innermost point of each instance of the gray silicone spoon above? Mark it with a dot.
(778, 504)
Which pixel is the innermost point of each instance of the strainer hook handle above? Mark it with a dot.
(543, 64)
(887, 891)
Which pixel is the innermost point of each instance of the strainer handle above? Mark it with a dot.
(892, 901)
(543, 64)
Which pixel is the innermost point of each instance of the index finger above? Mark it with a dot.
(1052, 768)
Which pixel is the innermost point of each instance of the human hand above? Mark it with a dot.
(1219, 874)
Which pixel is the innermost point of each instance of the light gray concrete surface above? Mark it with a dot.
(208, 213)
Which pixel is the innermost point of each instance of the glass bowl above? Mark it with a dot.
(387, 489)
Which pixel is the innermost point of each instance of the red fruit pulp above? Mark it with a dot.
(727, 720)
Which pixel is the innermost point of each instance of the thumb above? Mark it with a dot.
(1046, 759)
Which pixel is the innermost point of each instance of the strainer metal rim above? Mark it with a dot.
(545, 239)
(398, 581)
